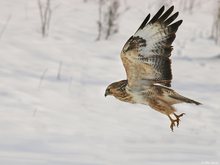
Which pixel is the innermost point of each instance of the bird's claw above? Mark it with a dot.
(175, 122)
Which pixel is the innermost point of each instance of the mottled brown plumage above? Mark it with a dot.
(146, 59)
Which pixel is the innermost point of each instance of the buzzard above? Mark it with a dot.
(146, 59)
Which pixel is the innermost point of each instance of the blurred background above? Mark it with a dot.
(58, 56)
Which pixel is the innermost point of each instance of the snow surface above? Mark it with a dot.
(45, 120)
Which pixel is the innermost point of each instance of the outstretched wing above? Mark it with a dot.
(145, 55)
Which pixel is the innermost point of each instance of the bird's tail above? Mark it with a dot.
(186, 100)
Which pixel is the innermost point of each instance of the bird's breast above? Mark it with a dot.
(139, 96)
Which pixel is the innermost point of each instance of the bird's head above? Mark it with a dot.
(109, 90)
(116, 88)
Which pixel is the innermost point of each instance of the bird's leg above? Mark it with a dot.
(172, 124)
(175, 122)
(178, 118)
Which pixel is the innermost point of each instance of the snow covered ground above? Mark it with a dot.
(45, 120)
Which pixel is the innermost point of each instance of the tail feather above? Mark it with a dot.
(186, 100)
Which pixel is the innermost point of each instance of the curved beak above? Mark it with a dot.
(106, 93)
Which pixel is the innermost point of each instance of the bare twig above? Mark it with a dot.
(26, 9)
(42, 77)
(108, 14)
(5, 26)
(59, 71)
(188, 5)
(215, 34)
(45, 16)
(112, 18)
(70, 83)
(99, 22)
(35, 112)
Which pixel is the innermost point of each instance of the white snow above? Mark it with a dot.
(68, 121)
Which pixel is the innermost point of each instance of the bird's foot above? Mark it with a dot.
(178, 118)
(175, 122)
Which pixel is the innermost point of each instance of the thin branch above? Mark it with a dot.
(45, 16)
(99, 22)
(5, 26)
(42, 77)
(59, 71)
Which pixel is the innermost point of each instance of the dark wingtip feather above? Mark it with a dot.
(144, 22)
(162, 8)
(171, 19)
(171, 7)
(180, 22)
(174, 27)
(166, 14)
(157, 15)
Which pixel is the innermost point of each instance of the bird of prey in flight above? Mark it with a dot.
(146, 59)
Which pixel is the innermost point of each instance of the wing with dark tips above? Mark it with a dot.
(146, 54)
